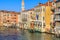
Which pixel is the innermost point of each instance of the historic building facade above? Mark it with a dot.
(57, 14)
(8, 18)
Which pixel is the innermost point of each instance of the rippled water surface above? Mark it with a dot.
(25, 35)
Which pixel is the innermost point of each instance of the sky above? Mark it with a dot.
(15, 5)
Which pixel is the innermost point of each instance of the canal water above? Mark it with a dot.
(25, 35)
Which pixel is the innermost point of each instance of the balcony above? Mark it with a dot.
(58, 4)
(57, 19)
(57, 11)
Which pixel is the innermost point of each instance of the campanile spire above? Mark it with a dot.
(23, 5)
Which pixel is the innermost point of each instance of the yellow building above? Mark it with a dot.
(48, 18)
(49, 15)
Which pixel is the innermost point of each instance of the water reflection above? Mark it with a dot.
(25, 35)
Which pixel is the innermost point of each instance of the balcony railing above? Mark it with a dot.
(57, 11)
(57, 19)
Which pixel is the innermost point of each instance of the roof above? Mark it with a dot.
(57, 1)
(46, 4)
(50, 4)
(8, 11)
(32, 9)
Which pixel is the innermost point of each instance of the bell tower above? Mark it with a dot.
(23, 5)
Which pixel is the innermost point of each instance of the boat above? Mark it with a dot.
(31, 30)
(35, 27)
(34, 31)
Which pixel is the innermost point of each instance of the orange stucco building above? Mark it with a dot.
(8, 18)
